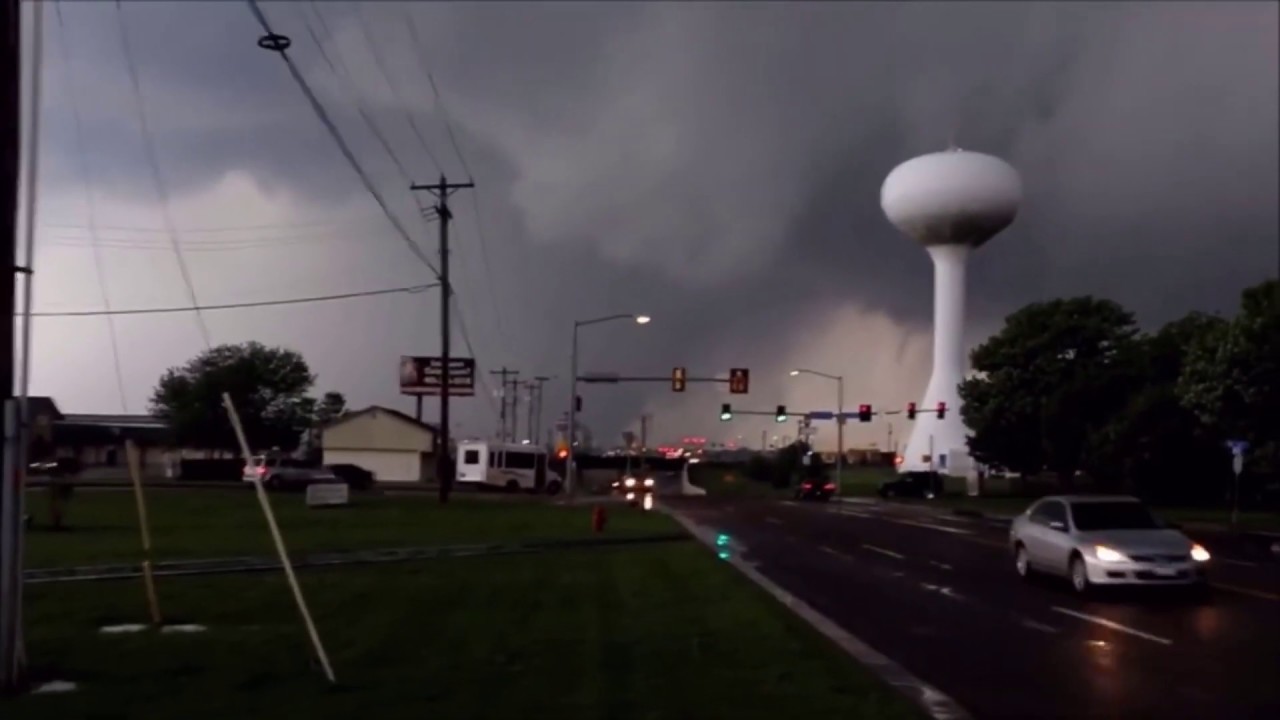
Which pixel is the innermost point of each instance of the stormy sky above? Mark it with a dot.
(716, 166)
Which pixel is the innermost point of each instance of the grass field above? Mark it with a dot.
(216, 523)
(641, 632)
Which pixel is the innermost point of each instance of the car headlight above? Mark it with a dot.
(631, 496)
(630, 482)
(1199, 554)
(1106, 554)
(648, 482)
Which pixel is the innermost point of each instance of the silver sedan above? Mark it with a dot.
(1104, 540)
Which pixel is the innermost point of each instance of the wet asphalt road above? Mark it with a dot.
(938, 594)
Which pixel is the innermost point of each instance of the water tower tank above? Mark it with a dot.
(953, 197)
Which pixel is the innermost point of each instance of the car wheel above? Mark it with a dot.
(553, 487)
(928, 494)
(1079, 575)
(271, 483)
(512, 486)
(1021, 561)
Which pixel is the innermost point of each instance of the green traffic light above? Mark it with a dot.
(726, 416)
(780, 418)
(722, 540)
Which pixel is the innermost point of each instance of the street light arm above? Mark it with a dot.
(621, 316)
(819, 374)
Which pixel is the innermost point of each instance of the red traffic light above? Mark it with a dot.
(942, 410)
(911, 411)
(864, 413)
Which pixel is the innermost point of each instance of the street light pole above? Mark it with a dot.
(570, 474)
(839, 419)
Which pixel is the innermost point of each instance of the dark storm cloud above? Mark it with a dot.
(719, 165)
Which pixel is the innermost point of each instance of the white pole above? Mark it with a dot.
(839, 434)
(279, 541)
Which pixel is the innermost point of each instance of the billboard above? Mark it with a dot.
(426, 376)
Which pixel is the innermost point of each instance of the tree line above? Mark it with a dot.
(269, 386)
(1074, 387)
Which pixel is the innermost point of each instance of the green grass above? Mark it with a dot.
(646, 632)
(217, 523)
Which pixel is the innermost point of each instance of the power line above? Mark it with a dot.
(235, 306)
(91, 205)
(217, 229)
(318, 108)
(448, 125)
(157, 176)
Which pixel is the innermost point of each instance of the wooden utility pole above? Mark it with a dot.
(502, 413)
(442, 190)
(535, 411)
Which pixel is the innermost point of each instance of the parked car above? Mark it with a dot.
(279, 473)
(925, 484)
(356, 477)
(1104, 540)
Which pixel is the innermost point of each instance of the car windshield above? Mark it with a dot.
(1112, 516)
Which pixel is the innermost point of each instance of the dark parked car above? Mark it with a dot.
(356, 477)
(925, 484)
(817, 490)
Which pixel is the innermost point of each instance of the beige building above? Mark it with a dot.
(388, 443)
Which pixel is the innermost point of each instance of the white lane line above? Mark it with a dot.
(931, 526)
(773, 520)
(942, 565)
(1114, 626)
(945, 591)
(854, 513)
(1029, 623)
(1236, 562)
(882, 551)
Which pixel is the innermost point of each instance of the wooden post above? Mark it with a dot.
(135, 472)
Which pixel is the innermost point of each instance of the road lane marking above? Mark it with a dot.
(943, 590)
(1235, 562)
(1029, 623)
(1113, 625)
(931, 526)
(1248, 591)
(882, 551)
(774, 520)
(942, 565)
(855, 513)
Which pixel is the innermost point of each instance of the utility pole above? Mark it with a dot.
(529, 432)
(515, 410)
(535, 430)
(644, 431)
(442, 190)
(502, 413)
(12, 660)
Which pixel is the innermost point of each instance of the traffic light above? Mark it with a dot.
(911, 411)
(562, 453)
(726, 413)
(739, 380)
(677, 379)
(942, 410)
(577, 403)
(781, 415)
(864, 413)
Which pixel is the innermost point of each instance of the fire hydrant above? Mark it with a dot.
(598, 518)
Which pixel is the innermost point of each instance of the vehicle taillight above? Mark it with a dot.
(262, 470)
(829, 486)
(805, 486)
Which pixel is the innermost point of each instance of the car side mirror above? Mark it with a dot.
(1057, 525)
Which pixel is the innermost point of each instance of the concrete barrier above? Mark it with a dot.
(686, 487)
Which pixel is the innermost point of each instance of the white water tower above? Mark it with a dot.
(952, 202)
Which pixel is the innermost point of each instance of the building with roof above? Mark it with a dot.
(394, 446)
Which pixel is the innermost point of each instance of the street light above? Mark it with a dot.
(569, 475)
(839, 418)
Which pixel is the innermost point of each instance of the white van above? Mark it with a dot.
(507, 466)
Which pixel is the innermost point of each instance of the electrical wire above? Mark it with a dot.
(149, 146)
(323, 115)
(90, 205)
(236, 306)
(395, 91)
(342, 71)
(448, 126)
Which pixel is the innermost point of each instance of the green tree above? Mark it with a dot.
(1154, 446)
(332, 405)
(268, 387)
(1231, 379)
(1055, 370)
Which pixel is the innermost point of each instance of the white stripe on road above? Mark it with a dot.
(855, 513)
(942, 565)
(1029, 623)
(1114, 626)
(931, 526)
(882, 551)
(1235, 562)
(773, 520)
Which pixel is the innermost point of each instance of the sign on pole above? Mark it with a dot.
(426, 376)
(821, 415)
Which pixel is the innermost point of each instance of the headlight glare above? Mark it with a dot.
(1106, 554)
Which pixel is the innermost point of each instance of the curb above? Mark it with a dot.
(934, 702)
